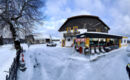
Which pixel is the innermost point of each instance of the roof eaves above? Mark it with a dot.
(104, 23)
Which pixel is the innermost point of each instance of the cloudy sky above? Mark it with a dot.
(115, 13)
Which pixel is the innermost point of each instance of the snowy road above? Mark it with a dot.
(7, 54)
(54, 63)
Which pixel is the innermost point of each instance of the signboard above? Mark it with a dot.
(81, 40)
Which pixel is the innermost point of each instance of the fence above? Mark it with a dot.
(14, 67)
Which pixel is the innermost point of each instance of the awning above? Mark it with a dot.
(98, 35)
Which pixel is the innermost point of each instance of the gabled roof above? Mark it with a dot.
(82, 16)
(38, 36)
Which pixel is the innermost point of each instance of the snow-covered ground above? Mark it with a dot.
(7, 54)
(56, 63)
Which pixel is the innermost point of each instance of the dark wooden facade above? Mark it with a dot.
(91, 23)
(95, 35)
(29, 39)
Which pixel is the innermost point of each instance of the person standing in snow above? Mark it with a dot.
(128, 69)
(28, 43)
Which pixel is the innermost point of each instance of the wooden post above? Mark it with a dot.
(63, 43)
(119, 43)
(87, 42)
(108, 39)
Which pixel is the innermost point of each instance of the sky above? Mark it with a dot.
(115, 13)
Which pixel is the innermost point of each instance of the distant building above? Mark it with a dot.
(7, 35)
(29, 39)
(87, 30)
(9, 40)
(37, 38)
(40, 38)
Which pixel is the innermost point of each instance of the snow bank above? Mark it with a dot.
(7, 54)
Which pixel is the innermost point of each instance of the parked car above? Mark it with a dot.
(51, 44)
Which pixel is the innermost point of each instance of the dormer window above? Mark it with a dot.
(75, 29)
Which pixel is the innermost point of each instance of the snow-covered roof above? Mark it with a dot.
(41, 36)
(102, 33)
(55, 38)
(98, 35)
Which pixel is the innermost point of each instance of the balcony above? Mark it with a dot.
(71, 34)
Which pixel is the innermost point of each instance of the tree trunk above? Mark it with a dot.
(16, 42)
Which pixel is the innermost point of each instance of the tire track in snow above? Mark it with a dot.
(39, 73)
(71, 66)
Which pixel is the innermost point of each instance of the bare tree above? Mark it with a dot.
(20, 14)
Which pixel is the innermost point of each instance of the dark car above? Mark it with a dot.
(51, 44)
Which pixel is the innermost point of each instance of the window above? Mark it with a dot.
(124, 41)
(69, 39)
(75, 29)
(68, 29)
(82, 44)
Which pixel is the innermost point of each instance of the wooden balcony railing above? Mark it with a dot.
(70, 34)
